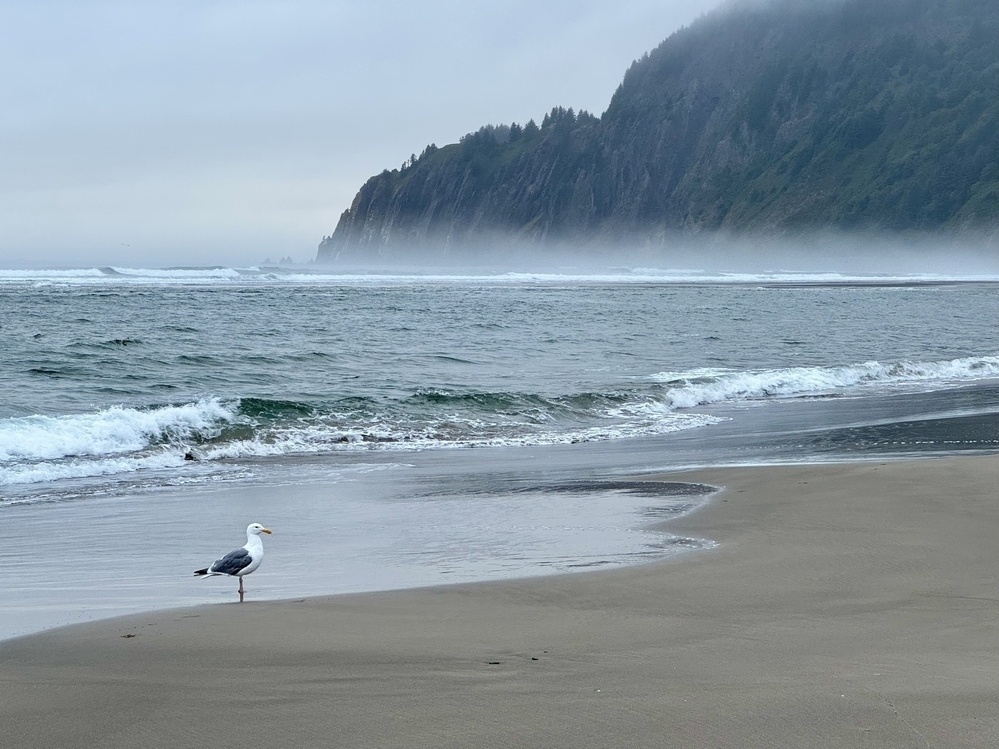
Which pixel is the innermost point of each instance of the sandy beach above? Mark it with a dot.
(847, 605)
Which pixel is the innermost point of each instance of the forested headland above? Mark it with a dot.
(771, 117)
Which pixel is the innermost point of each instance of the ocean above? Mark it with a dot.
(404, 430)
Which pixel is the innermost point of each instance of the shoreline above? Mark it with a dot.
(543, 528)
(846, 604)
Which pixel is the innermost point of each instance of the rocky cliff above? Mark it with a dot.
(773, 117)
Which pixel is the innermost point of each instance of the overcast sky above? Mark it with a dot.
(225, 132)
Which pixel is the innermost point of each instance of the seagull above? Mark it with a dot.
(240, 561)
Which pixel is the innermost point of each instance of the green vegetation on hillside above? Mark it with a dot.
(847, 115)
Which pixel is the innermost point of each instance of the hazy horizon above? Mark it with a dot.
(227, 133)
(713, 255)
(820, 251)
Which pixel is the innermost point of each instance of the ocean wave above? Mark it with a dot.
(125, 440)
(215, 273)
(113, 431)
(257, 275)
(710, 386)
(110, 275)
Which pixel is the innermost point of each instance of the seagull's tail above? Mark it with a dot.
(201, 573)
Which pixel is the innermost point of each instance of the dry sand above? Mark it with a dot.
(846, 606)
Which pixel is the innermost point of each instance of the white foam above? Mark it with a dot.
(318, 275)
(53, 274)
(180, 274)
(703, 387)
(640, 419)
(45, 471)
(112, 431)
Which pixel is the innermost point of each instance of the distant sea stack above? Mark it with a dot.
(764, 118)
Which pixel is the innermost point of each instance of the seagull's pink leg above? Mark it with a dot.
(240, 590)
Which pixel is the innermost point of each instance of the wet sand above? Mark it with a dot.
(850, 605)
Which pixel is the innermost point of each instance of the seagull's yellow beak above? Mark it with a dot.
(265, 530)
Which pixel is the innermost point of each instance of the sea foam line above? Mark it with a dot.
(705, 387)
(254, 275)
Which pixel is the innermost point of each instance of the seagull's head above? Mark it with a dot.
(257, 529)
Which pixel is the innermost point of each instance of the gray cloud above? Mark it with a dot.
(151, 133)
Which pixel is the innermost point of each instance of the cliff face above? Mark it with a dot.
(844, 114)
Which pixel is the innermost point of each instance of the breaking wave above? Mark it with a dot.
(708, 386)
(124, 440)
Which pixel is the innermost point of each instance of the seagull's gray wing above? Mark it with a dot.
(232, 562)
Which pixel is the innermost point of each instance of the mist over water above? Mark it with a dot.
(713, 256)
